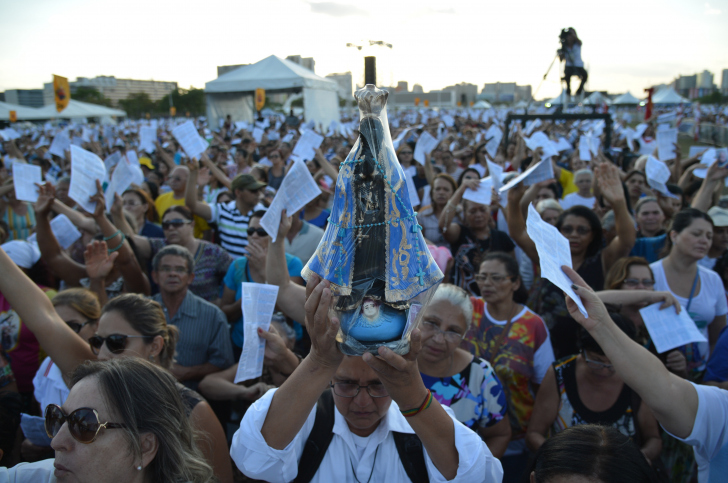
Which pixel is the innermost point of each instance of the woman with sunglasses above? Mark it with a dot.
(111, 429)
(211, 261)
(584, 389)
(250, 268)
(130, 326)
(583, 230)
(457, 379)
(515, 341)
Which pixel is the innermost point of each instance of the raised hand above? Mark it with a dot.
(607, 177)
(98, 261)
(46, 195)
(100, 201)
(285, 226)
(593, 305)
(275, 346)
(321, 329)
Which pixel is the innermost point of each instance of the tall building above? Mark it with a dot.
(704, 80)
(684, 84)
(115, 89)
(306, 62)
(464, 93)
(25, 97)
(402, 86)
(505, 92)
(724, 83)
(345, 82)
(418, 89)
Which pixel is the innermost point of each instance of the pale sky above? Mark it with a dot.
(630, 46)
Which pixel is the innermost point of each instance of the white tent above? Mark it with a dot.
(24, 113)
(78, 109)
(596, 98)
(233, 93)
(482, 104)
(625, 99)
(668, 96)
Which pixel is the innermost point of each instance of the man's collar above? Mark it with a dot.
(392, 421)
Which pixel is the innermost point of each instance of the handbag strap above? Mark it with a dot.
(692, 290)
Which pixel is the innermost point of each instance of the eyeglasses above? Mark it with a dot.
(405, 152)
(259, 231)
(273, 156)
(496, 278)
(448, 335)
(633, 282)
(581, 230)
(596, 365)
(166, 225)
(346, 389)
(76, 327)
(83, 423)
(116, 343)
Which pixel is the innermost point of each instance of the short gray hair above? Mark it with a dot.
(176, 250)
(457, 297)
(584, 171)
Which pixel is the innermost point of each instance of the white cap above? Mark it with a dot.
(23, 253)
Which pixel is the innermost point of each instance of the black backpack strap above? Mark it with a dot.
(411, 453)
(319, 439)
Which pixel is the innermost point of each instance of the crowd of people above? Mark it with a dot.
(126, 338)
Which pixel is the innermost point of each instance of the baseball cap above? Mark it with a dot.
(246, 182)
(719, 216)
(146, 162)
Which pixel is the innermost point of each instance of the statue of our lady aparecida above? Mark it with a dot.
(373, 251)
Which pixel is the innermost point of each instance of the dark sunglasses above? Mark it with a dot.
(259, 231)
(116, 343)
(76, 327)
(83, 423)
(166, 225)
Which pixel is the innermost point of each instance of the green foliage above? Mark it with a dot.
(714, 98)
(91, 95)
(137, 105)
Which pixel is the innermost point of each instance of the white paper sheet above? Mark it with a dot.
(695, 150)
(666, 140)
(65, 231)
(483, 194)
(307, 144)
(60, 144)
(585, 148)
(553, 253)
(258, 301)
(657, 175)
(112, 161)
(538, 140)
(496, 174)
(86, 168)
(425, 144)
(147, 136)
(414, 197)
(562, 145)
(190, 139)
(127, 173)
(297, 189)
(535, 174)
(25, 177)
(668, 329)
(258, 134)
(494, 136)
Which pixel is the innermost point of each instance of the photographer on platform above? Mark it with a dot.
(570, 52)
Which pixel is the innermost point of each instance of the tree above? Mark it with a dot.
(138, 105)
(91, 95)
(192, 101)
(714, 98)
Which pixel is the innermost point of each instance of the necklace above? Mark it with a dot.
(370, 474)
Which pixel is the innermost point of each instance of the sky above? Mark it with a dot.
(627, 44)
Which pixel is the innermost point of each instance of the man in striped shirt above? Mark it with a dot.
(231, 218)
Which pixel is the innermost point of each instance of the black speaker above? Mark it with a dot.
(370, 70)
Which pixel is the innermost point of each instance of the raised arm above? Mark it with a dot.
(197, 207)
(291, 297)
(143, 247)
(220, 386)
(166, 157)
(57, 260)
(607, 177)
(81, 221)
(451, 231)
(517, 224)
(134, 279)
(216, 172)
(672, 399)
(639, 298)
(704, 197)
(62, 344)
(328, 168)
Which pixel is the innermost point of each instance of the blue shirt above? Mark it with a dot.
(649, 248)
(717, 368)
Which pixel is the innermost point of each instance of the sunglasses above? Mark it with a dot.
(259, 231)
(76, 327)
(83, 423)
(166, 225)
(116, 343)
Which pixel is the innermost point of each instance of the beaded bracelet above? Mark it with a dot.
(112, 236)
(408, 413)
(112, 250)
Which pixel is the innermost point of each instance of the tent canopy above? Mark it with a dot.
(78, 109)
(596, 98)
(668, 96)
(233, 93)
(626, 99)
(24, 113)
(482, 104)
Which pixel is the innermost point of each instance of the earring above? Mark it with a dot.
(151, 358)
(139, 468)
